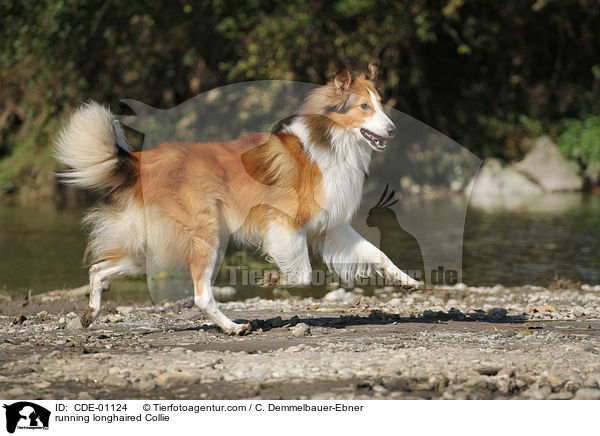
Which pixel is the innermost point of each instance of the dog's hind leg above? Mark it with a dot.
(202, 265)
(100, 275)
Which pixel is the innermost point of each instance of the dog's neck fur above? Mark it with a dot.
(343, 163)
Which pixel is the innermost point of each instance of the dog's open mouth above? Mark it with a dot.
(375, 141)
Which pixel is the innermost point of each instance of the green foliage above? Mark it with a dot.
(484, 73)
(580, 141)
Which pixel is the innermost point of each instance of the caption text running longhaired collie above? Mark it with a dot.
(194, 192)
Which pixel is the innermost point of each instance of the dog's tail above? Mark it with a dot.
(94, 148)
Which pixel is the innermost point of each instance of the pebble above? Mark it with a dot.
(224, 293)
(395, 302)
(83, 395)
(144, 385)
(587, 394)
(260, 373)
(337, 295)
(536, 393)
(591, 383)
(100, 356)
(42, 385)
(488, 370)
(300, 330)
(14, 393)
(380, 389)
(124, 310)
(114, 318)
(169, 379)
(116, 380)
(562, 395)
(392, 358)
(74, 324)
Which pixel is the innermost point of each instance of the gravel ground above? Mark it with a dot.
(444, 343)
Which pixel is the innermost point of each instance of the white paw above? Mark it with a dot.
(237, 329)
(279, 279)
(402, 279)
(413, 283)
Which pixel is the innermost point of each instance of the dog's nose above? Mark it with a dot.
(392, 131)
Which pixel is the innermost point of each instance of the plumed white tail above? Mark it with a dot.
(88, 146)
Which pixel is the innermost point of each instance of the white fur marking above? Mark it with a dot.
(88, 145)
(343, 167)
(379, 122)
(351, 256)
(206, 300)
(289, 250)
(100, 275)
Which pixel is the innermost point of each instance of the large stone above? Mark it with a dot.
(494, 179)
(545, 165)
(543, 170)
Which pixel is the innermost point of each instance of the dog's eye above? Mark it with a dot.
(365, 106)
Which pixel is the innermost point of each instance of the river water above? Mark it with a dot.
(523, 242)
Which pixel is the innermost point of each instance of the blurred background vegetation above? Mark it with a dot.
(490, 75)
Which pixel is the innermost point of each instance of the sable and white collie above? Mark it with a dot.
(193, 192)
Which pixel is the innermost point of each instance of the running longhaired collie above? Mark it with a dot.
(194, 191)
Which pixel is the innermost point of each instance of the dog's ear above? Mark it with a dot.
(342, 80)
(372, 71)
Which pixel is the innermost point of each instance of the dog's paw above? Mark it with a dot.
(399, 278)
(412, 283)
(416, 286)
(238, 329)
(270, 278)
(87, 317)
(274, 278)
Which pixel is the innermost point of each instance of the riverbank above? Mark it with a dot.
(446, 343)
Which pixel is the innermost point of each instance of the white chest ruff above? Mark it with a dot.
(343, 191)
(343, 167)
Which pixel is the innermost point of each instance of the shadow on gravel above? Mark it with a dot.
(376, 317)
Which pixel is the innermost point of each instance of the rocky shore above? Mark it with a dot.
(445, 343)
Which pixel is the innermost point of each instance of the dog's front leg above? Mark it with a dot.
(351, 255)
(288, 248)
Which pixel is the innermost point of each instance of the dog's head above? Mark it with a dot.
(352, 103)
